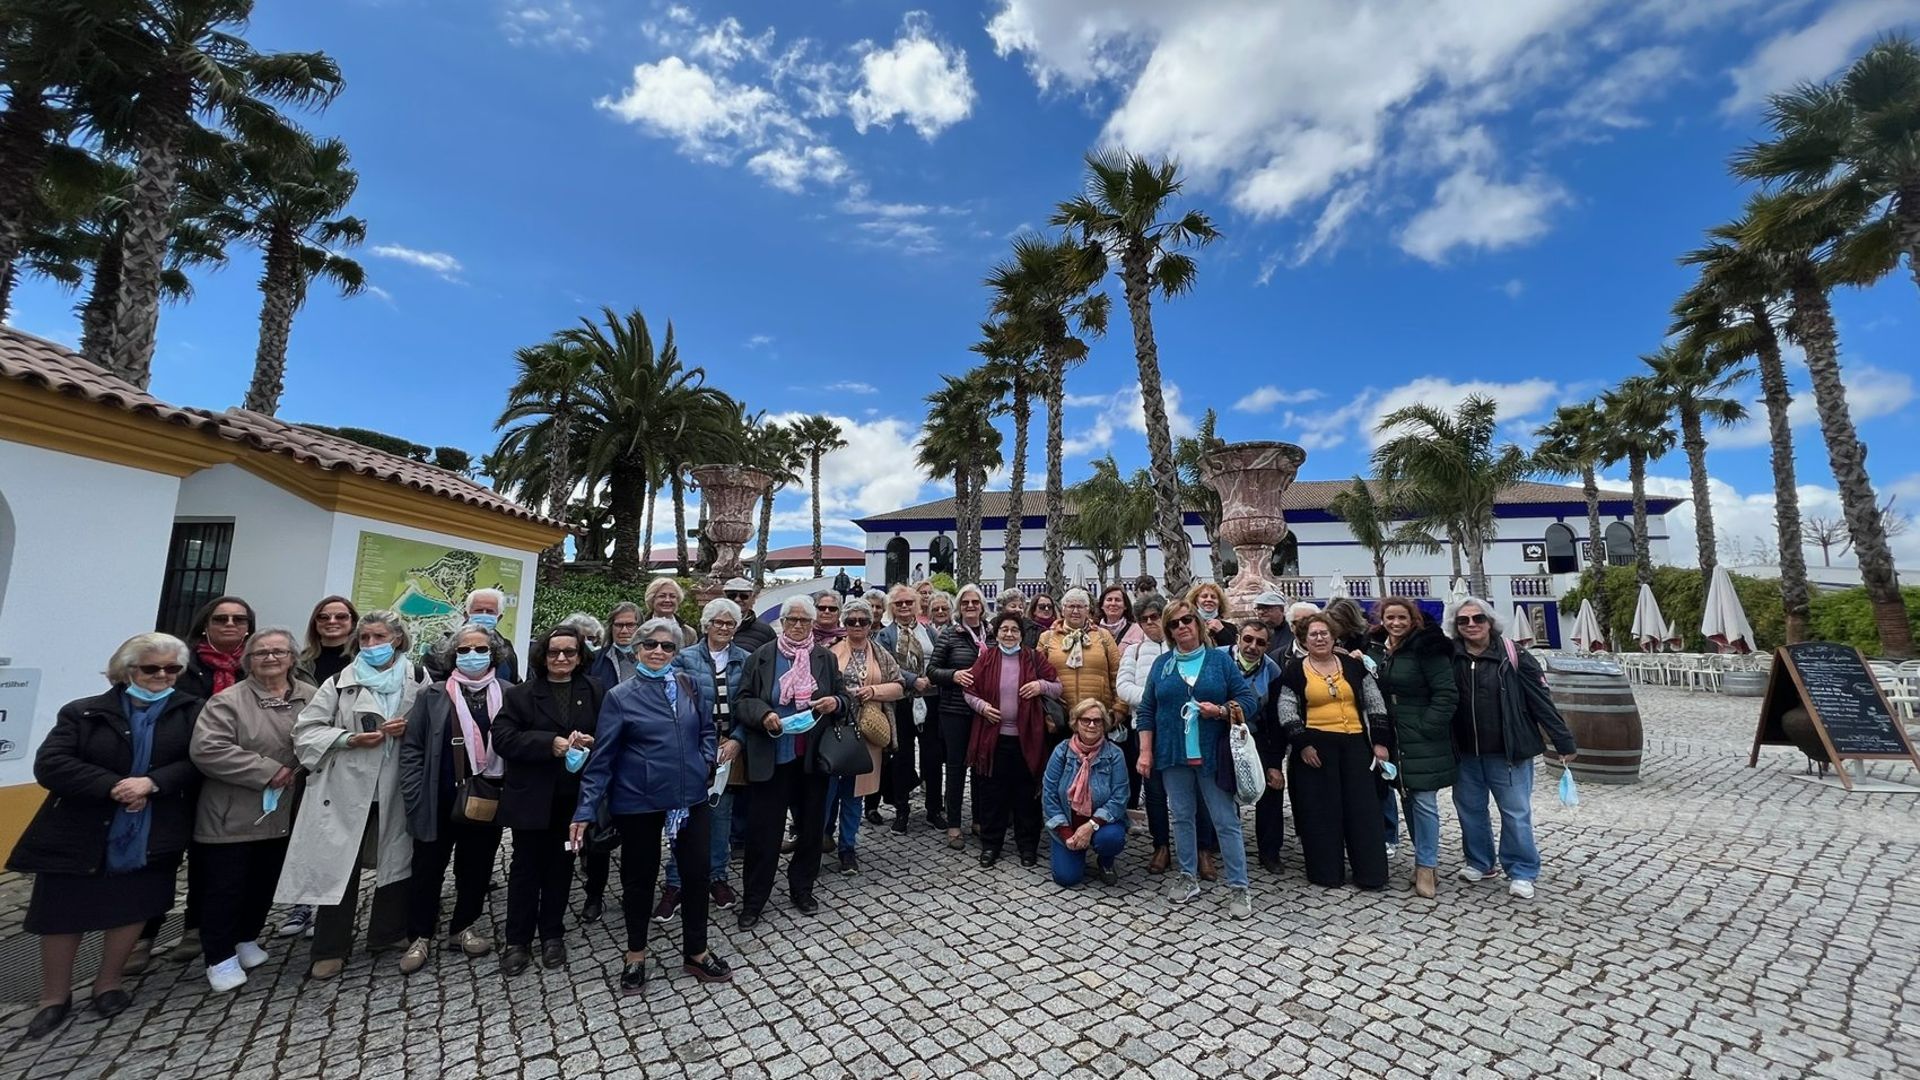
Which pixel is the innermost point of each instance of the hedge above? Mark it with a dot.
(596, 594)
(1844, 615)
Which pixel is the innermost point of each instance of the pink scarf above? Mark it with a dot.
(797, 685)
(1080, 792)
(477, 746)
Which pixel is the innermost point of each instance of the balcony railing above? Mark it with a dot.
(1411, 587)
(1532, 585)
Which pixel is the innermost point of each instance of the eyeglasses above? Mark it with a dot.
(797, 620)
(969, 603)
(722, 624)
(562, 654)
(624, 625)
(1470, 620)
(328, 616)
(229, 620)
(1149, 616)
(824, 609)
(1182, 620)
(477, 650)
(272, 654)
(658, 646)
(1253, 639)
(855, 624)
(906, 603)
(1044, 607)
(1090, 718)
(159, 669)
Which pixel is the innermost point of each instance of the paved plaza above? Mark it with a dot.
(1711, 921)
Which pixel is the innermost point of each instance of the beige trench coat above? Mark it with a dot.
(239, 745)
(884, 676)
(342, 786)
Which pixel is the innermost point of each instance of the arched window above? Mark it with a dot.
(940, 555)
(898, 552)
(1561, 556)
(1286, 557)
(1619, 538)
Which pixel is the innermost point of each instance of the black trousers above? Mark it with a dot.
(539, 877)
(1135, 782)
(948, 760)
(386, 925)
(898, 776)
(472, 849)
(1010, 794)
(791, 789)
(238, 881)
(196, 889)
(595, 868)
(640, 869)
(1336, 811)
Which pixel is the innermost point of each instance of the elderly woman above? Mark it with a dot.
(446, 762)
(925, 590)
(795, 682)
(653, 758)
(1084, 654)
(1115, 615)
(329, 643)
(664, 597)
(873, 678)
(1210, 605)
(1297, 614)
(615, 663)
(827, 630)
(483, 608)
(1330, 711)
(1007, 746)
(1084, 797)
(592, 631)
(1130, 685)
(937, 613)
(1415, 672)
(347, 738)
(1503, 707)
(1042, 612)
(910, 642)
(1193, 695)
(544, 730)
(715, 665)
(943, 742)
(105, 846)
(243, 746)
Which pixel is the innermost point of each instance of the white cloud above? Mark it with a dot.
(1520, 406)
(1813, 51)
(1472, 211)
(1608, 101)
(381, 294)
(1746, 519)
(437, 261)
(851, 387)
(1513, 287)
(1333, 219)
(557, 24)
(1871, 392)
(917, 78)
(1123, 408)
(708, 115)
(759, 341)
(1264, 398)
(872, 474)
(791, 168)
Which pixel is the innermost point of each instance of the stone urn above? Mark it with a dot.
(1250, 478)
(730, 493)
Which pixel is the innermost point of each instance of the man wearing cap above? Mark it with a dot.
(752, 633)
(1271, 608)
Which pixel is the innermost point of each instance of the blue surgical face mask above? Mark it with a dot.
(141, 693)
(377, 655)
(485, 619)
(269, 800)
(1208, 612)
(576, 757)
(473, 663)
(1008, 650)
(1389, 770)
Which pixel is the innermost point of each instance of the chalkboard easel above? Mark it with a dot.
(1850, 714)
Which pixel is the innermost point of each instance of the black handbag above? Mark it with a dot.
(476, 799)
(843, 752)
(1056, 713)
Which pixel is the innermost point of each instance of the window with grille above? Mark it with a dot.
(196, 572)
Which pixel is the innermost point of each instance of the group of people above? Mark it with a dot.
(278, 766)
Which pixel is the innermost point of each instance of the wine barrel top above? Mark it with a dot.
(1582, 665)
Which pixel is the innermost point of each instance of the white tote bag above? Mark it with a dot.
(1249, 778)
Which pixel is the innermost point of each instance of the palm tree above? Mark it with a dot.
(817, 437)
(1575, 443)
(1815, 241)
(546, 393)
(1009, 364)
(773, 451)
(47, 48)
(1194, 492)
(1120, 212)
(1370, 517)
(1636, 413)
(1103, 517)
(1449, 472)
(289, 202)
(1693, 376)
(959, 440)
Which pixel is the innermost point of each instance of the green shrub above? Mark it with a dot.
(944, 582)
(1843, 616)
(1848, 616)
(596, 594)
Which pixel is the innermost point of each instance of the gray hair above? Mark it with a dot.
(716, 607)
(799, 603)
(493, 651)
(660, 622)
(856, 606)
(940, 595)
(1300, 609)
(960, 594)
(1453, 608)
(624, 607)
(660, 585)
(587, 625)
(499, 598)
(1076, 593)
(253, 639)
(134, 649)
(822, 594)
(877, 598)
(395, 625)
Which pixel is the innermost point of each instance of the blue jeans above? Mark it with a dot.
(1156, 799)
(1423, 821)
(1512, 789)
(1390, 808)
(1186, 789)
(845, 807)
(1070, 866)
(721, 845)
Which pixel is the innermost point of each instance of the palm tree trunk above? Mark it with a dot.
(1813, 318)
(559, 486)
(280, 295)
(1169, 516)
(1017, 482)
(1056, 553)
(677, 480)
(1379, 573)
(975, 494)
(646, 554)
(1642, 553)
(23, 151)
(1477, 566)
(148, 223)
(962, 480)
(96, 315)
(1795, 594)
(766, 533)
(628, 492)
(1597, 546)
(813, 462)
(9, 275)
(1453, 550)
(1694, 441)
(1143, 554)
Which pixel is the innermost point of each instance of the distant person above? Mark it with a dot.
(483, 608)
(754, 631)
(1145, 584)
(842, 584)
(919, 571)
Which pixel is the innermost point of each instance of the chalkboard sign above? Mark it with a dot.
(1850, 715)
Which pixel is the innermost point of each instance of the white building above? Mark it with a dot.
(120, 513)
(1535, 557)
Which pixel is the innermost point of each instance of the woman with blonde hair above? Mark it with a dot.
(1083, 795)
(664, 597)
(1209, 604)
(873, 678)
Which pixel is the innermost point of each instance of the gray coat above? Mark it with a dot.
(239, 745)
(342, 787)
(420, 752)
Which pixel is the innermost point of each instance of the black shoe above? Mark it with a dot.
(1109, 876)
(553, 954)
(593, 910)
(938, 821)
(899, 823)
(989, 856)
(874, 818)
(849, 862)
(633, 977)
(1271, 864)
(49, 1019)
(515, 960)
(806, 905)
(111, 1004)
(712, 969)
(1029, 858)
(748, 920)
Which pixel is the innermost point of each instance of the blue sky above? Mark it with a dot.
(1420, 198)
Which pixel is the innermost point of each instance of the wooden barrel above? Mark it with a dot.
(1597, 702)
(1744, 683)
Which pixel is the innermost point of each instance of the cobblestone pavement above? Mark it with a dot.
(1711, 921)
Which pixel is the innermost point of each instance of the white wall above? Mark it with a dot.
(346, 546)
(280, 541)
(90, 549)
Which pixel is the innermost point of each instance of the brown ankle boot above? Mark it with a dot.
(1209, 867)
(1161, 859)
(1424, 881)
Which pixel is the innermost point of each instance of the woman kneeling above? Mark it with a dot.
(1084, 794)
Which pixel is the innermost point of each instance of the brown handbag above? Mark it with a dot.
(876, 727)
(476, 799)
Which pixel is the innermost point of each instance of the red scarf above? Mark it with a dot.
(224, 665)
(1080, 792)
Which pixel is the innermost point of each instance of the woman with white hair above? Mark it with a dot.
(908, 640)
(873, 678)
(483, 608)
(664, 597)
(347, 738)
(106, 844)
(1503, 707)
(1085, 657)
(792, 682)
(592, 632)
(943, 744)
(715, 664)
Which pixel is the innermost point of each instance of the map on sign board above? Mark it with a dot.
(427, 583)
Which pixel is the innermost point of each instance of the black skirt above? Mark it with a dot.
(78, 903)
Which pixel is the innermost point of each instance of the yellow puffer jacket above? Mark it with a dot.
(1099, 664)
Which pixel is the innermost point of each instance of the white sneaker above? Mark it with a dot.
(1240, 904)
(1468, 873)
(250, 954)
(1521, 889)
(226, 975)
(1182, 888)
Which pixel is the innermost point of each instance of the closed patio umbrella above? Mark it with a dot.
(1337, 587)
(1650, 630)
(1586, 629)
(1725, 622)
(1522, 630)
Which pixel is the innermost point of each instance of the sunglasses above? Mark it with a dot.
(1253, 639)
(1150, 616)
(562, 654)
(797, 620)
(1182, 620)
(739, 597)
(1043, 607)
(658, 646)
(626, 625)
(1469, 620)
(477, 650)
(159, 669)
(824, 609)
(855, 624)
(229, 620)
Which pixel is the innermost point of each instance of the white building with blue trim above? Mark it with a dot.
(1535, 557)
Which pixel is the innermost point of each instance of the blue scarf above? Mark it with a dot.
(1189, 665)
(385, 686)
(127, 835)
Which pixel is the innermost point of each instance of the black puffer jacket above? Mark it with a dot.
(953, 653)
(1518, 692)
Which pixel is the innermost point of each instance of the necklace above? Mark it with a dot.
(1332, 681)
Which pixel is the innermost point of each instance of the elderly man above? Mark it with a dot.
(1270, 607)
(754, 632)
(483, 607)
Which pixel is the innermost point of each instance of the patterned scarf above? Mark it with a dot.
(797, 685)
(224, 665)
(1074, 642)
(1080, 792)
(828, 636)
(481, 760)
